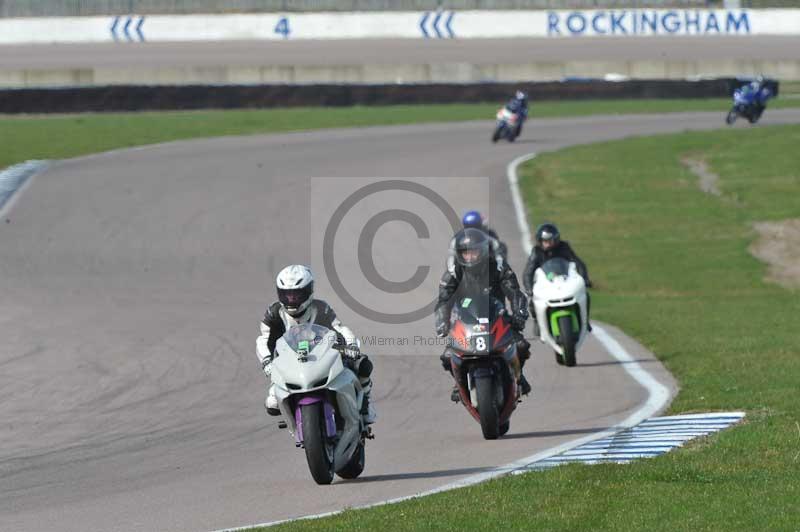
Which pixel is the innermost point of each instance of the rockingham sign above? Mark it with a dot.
(647, 22)
(427, 25)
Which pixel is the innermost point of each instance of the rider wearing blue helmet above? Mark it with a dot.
(476, 220)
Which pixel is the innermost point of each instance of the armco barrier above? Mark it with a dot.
(141, 98)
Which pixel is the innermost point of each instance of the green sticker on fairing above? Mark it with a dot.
(302, 345)
(467, 301)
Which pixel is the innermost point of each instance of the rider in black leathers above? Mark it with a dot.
(549, 245)
(476, 262)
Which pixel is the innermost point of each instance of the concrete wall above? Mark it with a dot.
(449, 24)
(82, 8)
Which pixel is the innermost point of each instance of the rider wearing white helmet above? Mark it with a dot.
(296, 305)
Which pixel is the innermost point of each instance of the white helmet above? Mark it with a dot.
(295, 288)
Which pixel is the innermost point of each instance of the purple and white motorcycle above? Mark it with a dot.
(320, 399)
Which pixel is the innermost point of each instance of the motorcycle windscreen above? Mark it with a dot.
(305, 337)
(478, 326)
(556, 267)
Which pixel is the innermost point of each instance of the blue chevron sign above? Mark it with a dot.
(437, 24)
(129, 34)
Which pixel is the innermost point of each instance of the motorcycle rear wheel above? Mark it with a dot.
(355, 466)
(504, 428)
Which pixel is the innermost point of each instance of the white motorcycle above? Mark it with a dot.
(507, 125)
(320, 400)
(559, 297)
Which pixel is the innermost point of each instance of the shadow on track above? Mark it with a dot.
(614, 363)
(548, 433)
(421, 474)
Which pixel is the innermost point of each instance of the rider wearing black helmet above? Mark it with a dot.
(476, 263)
(475, 220)
(549, 245)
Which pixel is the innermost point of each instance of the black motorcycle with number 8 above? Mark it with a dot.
(482, 349)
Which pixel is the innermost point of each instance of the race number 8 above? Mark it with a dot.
(480, 343)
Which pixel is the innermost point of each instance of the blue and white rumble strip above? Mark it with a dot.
(13, 177)
(652, 437)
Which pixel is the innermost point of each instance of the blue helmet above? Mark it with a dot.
(472, 219)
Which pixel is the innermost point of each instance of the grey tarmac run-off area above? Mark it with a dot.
(131, 286)
(397, 52)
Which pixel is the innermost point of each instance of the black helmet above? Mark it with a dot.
(472, 247)
(547, 231)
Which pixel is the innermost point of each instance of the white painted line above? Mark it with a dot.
(516, 198)
(657, 398)
(699, 417)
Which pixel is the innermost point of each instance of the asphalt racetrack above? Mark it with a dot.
(396, 52)
(131, 288)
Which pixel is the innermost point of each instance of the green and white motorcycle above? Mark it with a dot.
(559, 297)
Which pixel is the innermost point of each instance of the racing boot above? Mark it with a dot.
(455, 396)
(588, 312)
(271, 404)
(525, 387)
(524, 353)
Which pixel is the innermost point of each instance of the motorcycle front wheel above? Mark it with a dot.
(497, 133)
(319, 450)
(568, 339)
(731, 118)
(488, 408)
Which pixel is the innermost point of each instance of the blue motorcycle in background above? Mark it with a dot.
(749, 101)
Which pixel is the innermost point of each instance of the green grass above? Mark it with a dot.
(672, 269)
(58, 137)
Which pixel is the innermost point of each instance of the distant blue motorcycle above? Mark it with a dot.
(749, 102)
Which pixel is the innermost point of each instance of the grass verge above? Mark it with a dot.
(672, 269)
(59, 137)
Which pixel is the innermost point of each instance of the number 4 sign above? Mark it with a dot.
(282, 27)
